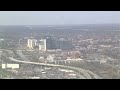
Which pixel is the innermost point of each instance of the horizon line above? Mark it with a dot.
(57, 24)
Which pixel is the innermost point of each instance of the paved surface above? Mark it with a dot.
(85, 73)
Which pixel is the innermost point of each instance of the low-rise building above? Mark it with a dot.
(10, 66)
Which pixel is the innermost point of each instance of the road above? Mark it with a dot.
(79, 70)
(85, 72)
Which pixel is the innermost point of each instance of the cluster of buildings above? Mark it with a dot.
(61, 55)
(72, 54)
(47, 43)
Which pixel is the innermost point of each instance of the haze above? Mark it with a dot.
(58, 17)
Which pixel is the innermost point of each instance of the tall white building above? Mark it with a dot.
(42, 45)
(31, 43)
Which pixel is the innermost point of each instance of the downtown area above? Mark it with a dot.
(90, 51)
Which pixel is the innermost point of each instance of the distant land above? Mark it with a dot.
(76, 27)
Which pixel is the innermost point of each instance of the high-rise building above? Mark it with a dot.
(48, 42)
(31, 43)
(42, 45)
(63, 44)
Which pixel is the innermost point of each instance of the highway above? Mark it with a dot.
(79, 70)
(85, 72)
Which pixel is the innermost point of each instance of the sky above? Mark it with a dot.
(58, 17)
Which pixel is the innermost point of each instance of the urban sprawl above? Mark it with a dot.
(60, 52)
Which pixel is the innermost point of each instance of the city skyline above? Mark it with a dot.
(58, 17)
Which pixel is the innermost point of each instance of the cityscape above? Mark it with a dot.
(90, 51)
(59, 44)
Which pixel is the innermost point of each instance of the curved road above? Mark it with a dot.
(61, 66)
(80, 70)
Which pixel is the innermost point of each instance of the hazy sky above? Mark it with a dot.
(58, 17)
